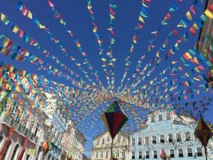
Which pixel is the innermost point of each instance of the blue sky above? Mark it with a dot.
(78, 19)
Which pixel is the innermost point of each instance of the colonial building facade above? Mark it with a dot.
(102, 147)
(168, 132)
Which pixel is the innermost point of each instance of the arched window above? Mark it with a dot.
(119, 138)
(107, 154)
(187, 136)
(172, 154)
(139, 141)
(168, 116)
(180, 152)
(15, 152)
(178, 136)
(133, 155)
(154, 139)
(170, 138)
(162, 138)
(133, 141)
(102, 140)
(146, 140)
(7, 149)
(189, 152)
(152, 118)
(108, 139)
(160, 117)
(155, 154)
(199, 152)
(140, 155)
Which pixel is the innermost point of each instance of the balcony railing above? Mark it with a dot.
(8, 120)
(15, 124)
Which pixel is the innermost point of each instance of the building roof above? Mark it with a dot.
(104, 132)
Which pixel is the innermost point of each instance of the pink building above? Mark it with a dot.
(17, 139)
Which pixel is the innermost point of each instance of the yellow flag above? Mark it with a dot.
(195, 59)
(15, 29)
(41, 26)
(188, 15)
(188, 55)
(29, 15)
(211, 71)
(11, 68)
(148, 48)
(196, 69)
(141, 19)
(6, 41)
(144, 4)
(3, 50)
(195, 26)
(112, 17)
(27, 53)
(89, 7)
(2, 17)
(35, 44)
(208, 14)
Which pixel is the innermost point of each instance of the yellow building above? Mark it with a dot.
(102, 146)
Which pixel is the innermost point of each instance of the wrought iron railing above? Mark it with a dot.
(8, 120)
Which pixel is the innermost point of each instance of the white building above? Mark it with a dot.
(169, 132)
(102, 146)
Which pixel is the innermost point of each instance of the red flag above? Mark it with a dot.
(175, 32)
(192, 9)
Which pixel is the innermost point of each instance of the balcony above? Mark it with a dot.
(15, 124)
(35, 139)
(22, 130)
(8, 120)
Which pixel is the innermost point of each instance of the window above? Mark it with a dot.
(178, 137)
(98, 142)
(140, 155)
(108, 139)
(133, 155)
(139, 141)
(15, 152)
(123, 155)
(170, 138)
(146, 140)
(180, 152)
(102, 140)
(101, 155)
(96, 155)
(172, 154)
(160, 117)
(152, 118)
(168, 117)
(119, 138)
(189, 152)
(117, 154)
(147, 154)
(133, 141)
(155, 154)
(199, 152)
(154, 139)
(162, 138)
(187, 136)
(107, 154)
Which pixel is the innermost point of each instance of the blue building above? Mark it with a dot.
(169, 132)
